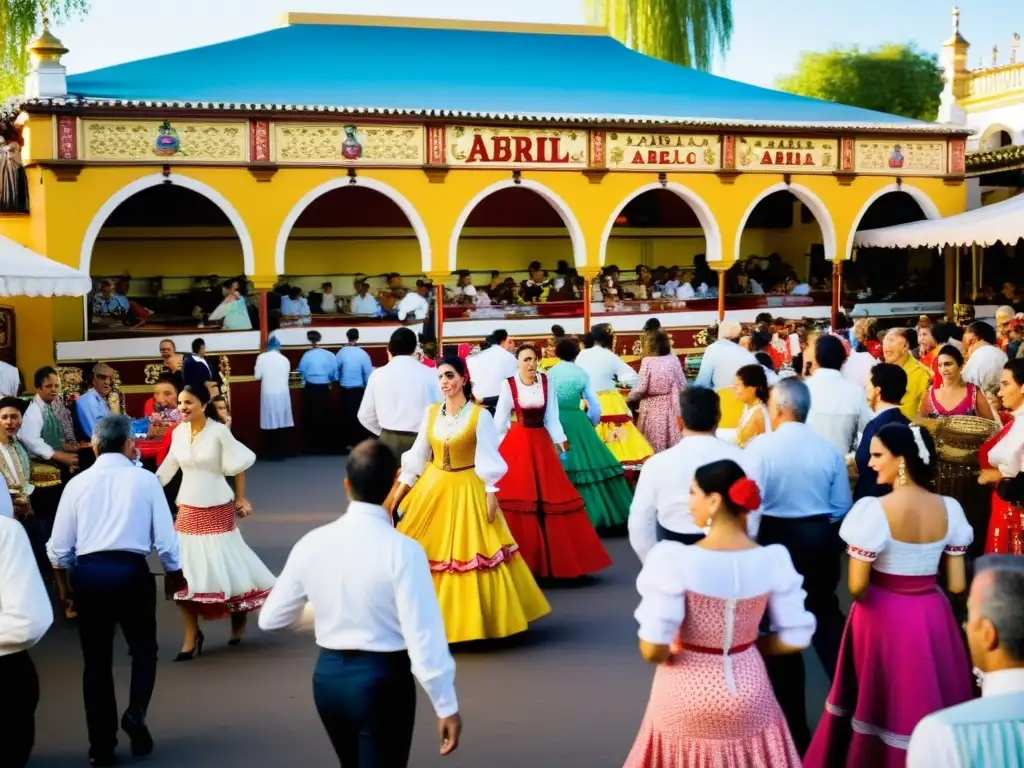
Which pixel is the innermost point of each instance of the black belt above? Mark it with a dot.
(112, 555)
(352, 653)
(398, 432)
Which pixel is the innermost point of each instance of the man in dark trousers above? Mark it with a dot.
(377, 621)
(110, 518)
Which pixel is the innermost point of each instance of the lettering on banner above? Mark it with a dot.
(901, 157)
(663, 152)
(498, 147)
(785, 154)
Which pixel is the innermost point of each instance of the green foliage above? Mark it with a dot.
(685, 32)
(897, 79)
(19, 21)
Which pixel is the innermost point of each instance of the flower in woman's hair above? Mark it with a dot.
(745, 493)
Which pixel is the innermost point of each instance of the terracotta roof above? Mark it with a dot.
(991, 160)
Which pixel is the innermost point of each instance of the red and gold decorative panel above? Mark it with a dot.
(597, 146)
(67, 138)
(259, 141)
(663, 152)
(435, 145)
(957, 156)
(846, 154)
(728, 153)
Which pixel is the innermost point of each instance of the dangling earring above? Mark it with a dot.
(707, 525)
(901, 476)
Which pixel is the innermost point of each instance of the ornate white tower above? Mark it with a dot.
(953, 61)
(47, 77)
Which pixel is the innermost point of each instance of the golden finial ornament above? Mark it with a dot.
(46, 47)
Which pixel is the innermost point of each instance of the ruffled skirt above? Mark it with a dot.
(483, 585)
(618, 432)
(596, 473)
(224, 575)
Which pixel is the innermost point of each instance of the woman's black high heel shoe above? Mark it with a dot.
(197, 650)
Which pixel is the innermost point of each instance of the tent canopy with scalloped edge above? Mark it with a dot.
(23, 272)
(997, 223)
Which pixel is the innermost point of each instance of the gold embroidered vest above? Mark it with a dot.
(458, 452)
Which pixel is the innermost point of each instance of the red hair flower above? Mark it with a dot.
(745, 493)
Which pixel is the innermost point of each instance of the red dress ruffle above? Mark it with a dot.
(544, 511)
(1005, 534)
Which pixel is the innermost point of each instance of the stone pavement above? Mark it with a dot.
(570, 692)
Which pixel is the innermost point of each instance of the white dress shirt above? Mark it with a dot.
(328, 303)
(719, 365)
(934, 742)
(413, 306)
(1008, 454)
(489, 465)
(364, 305)
(371, 590)
(113, 506)
(10, 380)
(663, 490)
(397, 395)
(488, 370)
(204, 463)
(607, 370)
(839, 409)
(25, 612)
(531, 396)
(31, 432)
(273, 371)
(984, 367)
(857, 369)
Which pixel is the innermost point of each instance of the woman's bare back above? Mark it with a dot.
(915, 516)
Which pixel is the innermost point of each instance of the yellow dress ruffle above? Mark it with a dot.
(483, 585)
(624, 440)
(732, 409)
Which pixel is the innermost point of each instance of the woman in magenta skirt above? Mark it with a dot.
(902, 657)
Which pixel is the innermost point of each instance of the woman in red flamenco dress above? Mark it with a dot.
(543, 509)
(1003, 457)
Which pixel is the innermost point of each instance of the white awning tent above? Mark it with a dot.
(998, 223)
(23, 272)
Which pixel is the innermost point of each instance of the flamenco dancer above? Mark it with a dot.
(608, 373)
(543, 510)
(225, 577)
(1002, 457)
(596, 473)
(902, 657)
(447, 498)
(700, 610)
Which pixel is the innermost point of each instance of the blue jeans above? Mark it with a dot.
(367, 703)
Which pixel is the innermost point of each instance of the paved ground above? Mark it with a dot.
(570, 692)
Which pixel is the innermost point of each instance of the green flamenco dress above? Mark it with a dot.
(592, 468)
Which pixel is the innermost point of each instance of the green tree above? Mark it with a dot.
(19, 20)
(684, 32)
(898, 79)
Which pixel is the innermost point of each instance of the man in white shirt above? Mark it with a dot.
(989, 731)
(10, 380)
(723, 358)
(414, 305)
(661, 504)
(491, 366)
(985, 360)
(377, 622)
(398, 394)
(363, 302)
(839, 409)
(328, 299)
(109, 519)
(25, 615)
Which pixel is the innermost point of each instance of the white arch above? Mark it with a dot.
(928, 207)
(712, 234)
(808, 198)
(992, 130)
(579, 245)
(178, 179)
(415, 220)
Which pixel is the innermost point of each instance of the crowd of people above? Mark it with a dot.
(495, 472)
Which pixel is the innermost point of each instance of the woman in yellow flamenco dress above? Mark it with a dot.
(608, 373)
(446, 497)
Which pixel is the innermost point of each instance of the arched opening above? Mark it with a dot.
(997, 137)
(784, 249)
(159, 261)
(888, 275)
(346, 235)
(518, 247)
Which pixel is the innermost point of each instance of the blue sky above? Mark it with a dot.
(767, 40)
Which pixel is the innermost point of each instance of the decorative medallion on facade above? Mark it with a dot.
(901, 158)
(159, 141)
(785, 155)
(663, 152)
(487, 147)
(349, 144)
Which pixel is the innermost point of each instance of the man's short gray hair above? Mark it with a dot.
(1003, 601)
(730, 329)
(112, 433)
(792, 395)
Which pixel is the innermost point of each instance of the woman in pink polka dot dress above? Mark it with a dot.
(701, 606)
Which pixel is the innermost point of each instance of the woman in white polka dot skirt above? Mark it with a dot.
(225, 577)
(701, 607)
